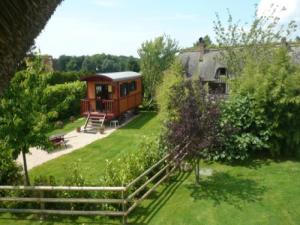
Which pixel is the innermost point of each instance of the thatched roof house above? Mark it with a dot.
(205, 64)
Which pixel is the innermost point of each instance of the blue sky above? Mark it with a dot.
(85, 27)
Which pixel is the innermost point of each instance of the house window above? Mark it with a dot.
(221, 72)
(216, 88)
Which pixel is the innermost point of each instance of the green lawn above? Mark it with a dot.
(265, 192)
(92, 157)
(69, 126)
(261, 192)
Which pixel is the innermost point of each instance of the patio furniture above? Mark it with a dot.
(114, 123)
(58, 140)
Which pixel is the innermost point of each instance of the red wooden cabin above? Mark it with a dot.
(112, 94)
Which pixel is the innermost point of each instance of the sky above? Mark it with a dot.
(119, 27)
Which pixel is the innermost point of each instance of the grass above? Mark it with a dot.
(264, 192)
(91, 158)
(69, 126)
(255, 193)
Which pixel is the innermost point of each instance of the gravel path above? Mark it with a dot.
(75, 141)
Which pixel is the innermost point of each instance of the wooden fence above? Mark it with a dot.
(129, 199)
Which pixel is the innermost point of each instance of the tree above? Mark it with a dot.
(194, 125)
(88, 65)
(133, 64)
(256, 41)
(23, 121)
(172, 77)
(207, 42)
(272, 118)
(297, 39)
(155, 57)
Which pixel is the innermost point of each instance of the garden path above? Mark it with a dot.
(75, 140)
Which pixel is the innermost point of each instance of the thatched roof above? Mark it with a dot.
(206, 64)
(201, 65)
(21, 21)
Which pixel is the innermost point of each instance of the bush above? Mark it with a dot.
(125, 169)
(59, 124)
(72, 119)
(10, 172)
(57, 77)
(243, 130)
(265, 107)
(63, 100)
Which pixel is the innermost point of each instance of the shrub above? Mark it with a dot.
(10, 172)
(63, 100)
(57, 77)
(125, 169)
(59, 124)
(243, 130)
(272, 119)
(72, 119)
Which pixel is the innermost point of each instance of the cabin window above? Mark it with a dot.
(124, 90)
(132, 85)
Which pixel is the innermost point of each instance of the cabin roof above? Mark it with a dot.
(115, 76)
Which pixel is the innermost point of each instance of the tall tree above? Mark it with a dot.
(193, 124)
(207, 41)
(155, 57)
(255, 40)
(23, 121)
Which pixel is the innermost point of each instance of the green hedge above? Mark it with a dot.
(57, 77)
(63, 100)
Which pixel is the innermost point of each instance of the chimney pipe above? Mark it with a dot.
(201, 48)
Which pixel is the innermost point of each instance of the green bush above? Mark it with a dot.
(244, 130)
(10, 172)
(63, 100)
(125, 169)
(58, 77)
(265, 107)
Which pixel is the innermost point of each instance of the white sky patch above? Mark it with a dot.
(106, 3)
(291, 9)
(173, 17)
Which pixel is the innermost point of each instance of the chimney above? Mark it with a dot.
(284, 43)
(201, 48)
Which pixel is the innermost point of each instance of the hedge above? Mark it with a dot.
(63, 100)
(57, 77)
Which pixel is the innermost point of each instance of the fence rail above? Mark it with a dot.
(128, 201)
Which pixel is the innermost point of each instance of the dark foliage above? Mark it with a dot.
(196, 122)
(58, 77)
(96, 63)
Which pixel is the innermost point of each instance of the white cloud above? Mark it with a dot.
(291, 9)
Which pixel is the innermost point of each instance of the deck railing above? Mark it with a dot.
(129, 199)
(99, 105)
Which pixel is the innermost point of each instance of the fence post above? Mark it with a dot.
(168, 169)
(124, 218)
(42, 204)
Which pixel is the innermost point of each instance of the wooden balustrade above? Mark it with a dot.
(99, 105)
(129, 198)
